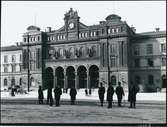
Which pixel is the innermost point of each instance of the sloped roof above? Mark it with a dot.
(11, 48)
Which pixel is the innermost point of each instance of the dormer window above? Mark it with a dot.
(82, 35)
(91, 34)
(94, 33)
(48, 38)
(64, 37)
(38, 38)
(109, 30)
(113, 30)
(86, 34)
(25, 39)
(117, 30)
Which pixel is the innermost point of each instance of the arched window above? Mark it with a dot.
(94, 50)
(5, 82)
(13, 82)
(61, 52)
(150, 79)
(71, 52)
(81, 51)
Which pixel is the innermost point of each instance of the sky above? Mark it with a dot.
(16, 16)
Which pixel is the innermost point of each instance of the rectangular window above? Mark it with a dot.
(113, 48)
(113, 61)
(102, 31)
(5, 68)
(149, 48)
(150, 79)
(25, 59)
(137, 62)
(163, 61)
(20, 66)
(38, 58)
(13, 68)
(5, 59)
(163, 48)
(136, 50)
(13, 58)
(20, 57)
(150, 62)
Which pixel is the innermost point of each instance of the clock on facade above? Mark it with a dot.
(71, 25)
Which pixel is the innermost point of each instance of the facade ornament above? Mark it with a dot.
(67, 53)
(57, 54)
(51, 53)
(78, 52)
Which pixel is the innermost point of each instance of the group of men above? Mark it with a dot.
(57, 95)
(101, 91)
(119, 92)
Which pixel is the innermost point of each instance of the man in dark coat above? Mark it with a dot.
(120, 93)
(133, 90)
(49, 97)
(57, 93)
(101, 92)
(73, 93)
(110, 93)
(40, 95)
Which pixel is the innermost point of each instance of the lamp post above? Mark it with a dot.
(28, 66)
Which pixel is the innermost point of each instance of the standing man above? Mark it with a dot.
(49, 97)
(40, 95)
(120, 93)
(110, 93)
(57, 93)
(73, 93)
(101, 92)
(133, 90)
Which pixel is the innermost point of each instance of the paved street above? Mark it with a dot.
(144, 113)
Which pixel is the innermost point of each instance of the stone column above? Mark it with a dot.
(54, 81)
(76, 80)
(88, 79)
(65, 80)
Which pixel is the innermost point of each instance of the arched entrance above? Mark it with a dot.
(94, 76)
(164, 81)
(60, 76)
(113, 80)
(70, 72)
(82, 76)
(48, 80)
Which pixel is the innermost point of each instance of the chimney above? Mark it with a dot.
(102, 22)
(48, 29)
(157, 29)
(17, 43)
(133, 29)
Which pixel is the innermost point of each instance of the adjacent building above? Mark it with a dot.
(82, 56)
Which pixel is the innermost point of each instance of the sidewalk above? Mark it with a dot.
(32, 96)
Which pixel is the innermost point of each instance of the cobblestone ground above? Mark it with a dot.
(150, 113)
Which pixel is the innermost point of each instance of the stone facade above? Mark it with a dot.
(82, 56)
